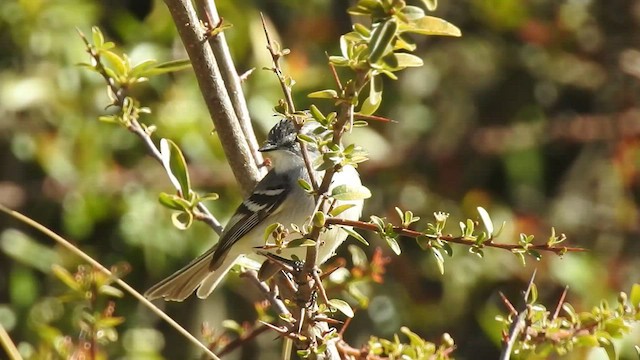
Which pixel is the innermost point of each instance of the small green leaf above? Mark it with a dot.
(393, 244)
(405, 60)
(209, 197)
(304, 184)
(342, 306)
(176, 166)
(486, 220)
(324, 94)
(109, 322)
(182, 220)
(355, 235)
(63, 275)
(111, 291)
(350, 192)
(268, 231)
(430, 25)
(98, 38)
(317, 114)
(381, 38)
(371, 104)
(340, 209)
(301, 242)
(166, 67)
(318, 219)
(173, 202)
(118, 63)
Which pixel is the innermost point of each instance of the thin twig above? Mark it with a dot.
(518, 324)
(286, 91)
(73, 249)
(241, 340)
(231, 80)
(8, 344)
(560, 302)
(452, 239)
(215, 94)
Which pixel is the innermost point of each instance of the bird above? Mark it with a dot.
(277, 198)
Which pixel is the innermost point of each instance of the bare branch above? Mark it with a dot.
(231, 79)
(518, 324)
(215, 94)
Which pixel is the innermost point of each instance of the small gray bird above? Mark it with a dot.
(277, 198)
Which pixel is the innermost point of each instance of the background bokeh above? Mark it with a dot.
(532, 114)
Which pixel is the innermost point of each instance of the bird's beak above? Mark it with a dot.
(267, 147)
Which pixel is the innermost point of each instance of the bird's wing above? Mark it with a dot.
(265, 200)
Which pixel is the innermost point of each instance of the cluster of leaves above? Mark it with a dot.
(90, 299)
(566, 329)
(384, 47)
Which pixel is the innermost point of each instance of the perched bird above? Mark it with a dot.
(277, 198)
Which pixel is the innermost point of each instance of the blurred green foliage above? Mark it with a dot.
(532, 114)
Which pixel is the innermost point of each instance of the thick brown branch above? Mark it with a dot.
(215, 94)
(231, 79)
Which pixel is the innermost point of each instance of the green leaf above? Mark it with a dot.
(318, 219)
(607, 345)
(355, 235)
(109, 322)
(182, 220)
(111, 291)
(98, 38)
(393, 244)
(173, 202)
(405, 60)
(371, 103)
(65, 276)
(301, 242)
(166, 67)
(381, 39)
(176, 166)
(269, 230)
(340, 209)
(119, 65)
(304, 184)
(317, 114)
(350, 192)
(342, 306)
(324, 94)
(209, 197)
(430, 25)
(486, 220)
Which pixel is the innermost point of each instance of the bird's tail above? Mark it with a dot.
(195, 275)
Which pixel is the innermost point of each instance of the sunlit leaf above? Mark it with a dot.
(342, 306)
(350, 192)
(324, 94)
(166, 67)
(430, 25)
(176, 166)
(355, 235)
